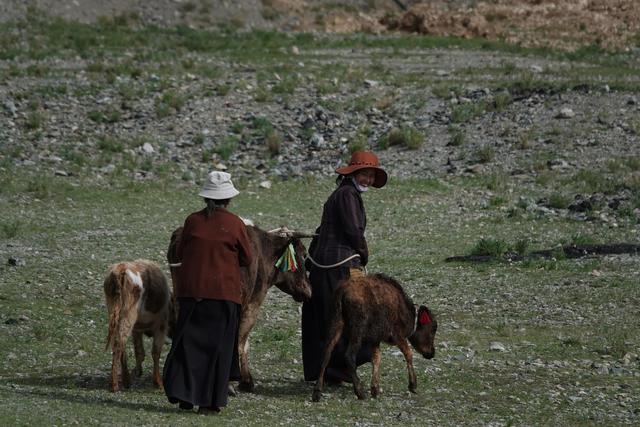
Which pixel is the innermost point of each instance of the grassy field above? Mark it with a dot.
(539, 342)
(568, 327)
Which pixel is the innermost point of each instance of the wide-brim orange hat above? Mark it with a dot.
(365, 160)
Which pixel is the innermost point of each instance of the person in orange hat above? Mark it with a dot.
(338, 251)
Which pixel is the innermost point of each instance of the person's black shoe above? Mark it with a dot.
(186, 406)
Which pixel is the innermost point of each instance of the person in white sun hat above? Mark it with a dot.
(213, 247)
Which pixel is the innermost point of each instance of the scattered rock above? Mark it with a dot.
(16, 262)
(566, 113)
(497, 346)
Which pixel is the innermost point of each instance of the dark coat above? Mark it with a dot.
(340, 235)
(341, 231)
(212, 250)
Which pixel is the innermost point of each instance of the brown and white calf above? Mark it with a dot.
(262, 274)
(139, 302)
(373, 309)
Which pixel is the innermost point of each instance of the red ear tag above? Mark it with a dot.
(424, 318)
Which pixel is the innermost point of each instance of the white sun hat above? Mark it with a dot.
(218, 186)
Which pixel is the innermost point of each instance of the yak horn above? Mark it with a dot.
(285, 232)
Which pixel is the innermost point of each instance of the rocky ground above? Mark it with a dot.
(470, 111)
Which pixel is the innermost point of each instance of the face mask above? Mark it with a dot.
(359, 187)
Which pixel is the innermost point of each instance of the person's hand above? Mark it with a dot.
(364, 258)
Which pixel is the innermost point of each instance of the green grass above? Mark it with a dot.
(548, 313)
(560, 321)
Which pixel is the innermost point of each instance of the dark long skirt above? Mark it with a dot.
(199, 363)
(316, 315)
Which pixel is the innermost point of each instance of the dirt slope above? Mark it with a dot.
(566, 24)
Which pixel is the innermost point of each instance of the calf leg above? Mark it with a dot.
(138, 349)
(350, 358)
(115, 367)
(375, 371)
(156, 350)
(126, 378)
(247, 320)
(334, 337)
(403, 345)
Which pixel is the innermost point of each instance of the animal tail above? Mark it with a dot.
(113, 288)
(122, 287)
(336, 318)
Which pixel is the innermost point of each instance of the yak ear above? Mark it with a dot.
(424, 316)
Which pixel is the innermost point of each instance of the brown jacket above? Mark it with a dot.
(341, 232)
(212, 251)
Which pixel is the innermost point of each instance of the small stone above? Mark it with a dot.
(265, 184)
(220, 166)
(537, 69)
(295, 50)
(497, 346)
(566, 113)
(147, 148)
(442, 73)
(370, 83)
(11, 108)
(317, 140)
(16, 262)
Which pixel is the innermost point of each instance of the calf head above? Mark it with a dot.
(295, 282)
(423, 338)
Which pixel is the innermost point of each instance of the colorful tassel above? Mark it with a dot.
(287, 262)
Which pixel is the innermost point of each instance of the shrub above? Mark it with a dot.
(35, 120)
(462, 113)
(262, 95)
(358, 143)
(501, 100)
(485, 153)
(11, 229)
(457, 137)
(489, 247)
(559, 201)
(582, 239)
(198, 139)
(273, 140)
(395, 136)
(226, 148)
(110, 144)
(407, 136)
(383, 142)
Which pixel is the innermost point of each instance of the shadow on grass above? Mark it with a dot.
(296, 388)
(87, 382)
(67, 390)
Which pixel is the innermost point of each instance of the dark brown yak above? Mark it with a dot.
(372, 309)
(139, 302)
(267, 247)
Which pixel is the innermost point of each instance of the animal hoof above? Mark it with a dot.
(412, 389)
(375, 392)
(360, 394)
(232, 390)
(317, 394)
(247, 387)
